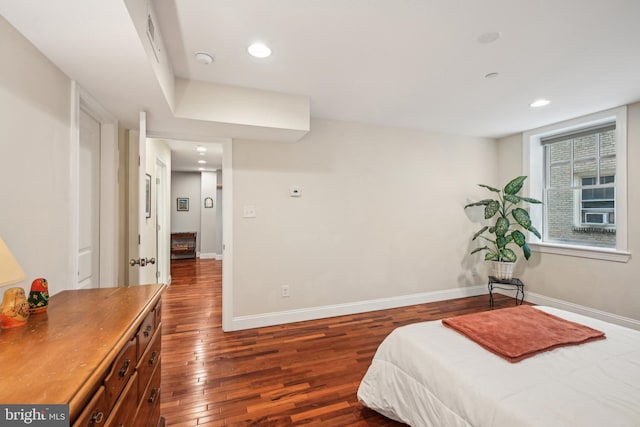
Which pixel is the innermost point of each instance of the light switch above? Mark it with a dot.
(249, 212)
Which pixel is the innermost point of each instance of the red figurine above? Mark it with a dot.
(39, 296)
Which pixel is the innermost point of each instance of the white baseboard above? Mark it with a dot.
(207, 255)
(300, 315)
(580, 309)
(219, 257)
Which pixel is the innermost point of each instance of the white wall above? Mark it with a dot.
(381, 215)
(603, 285)
(196, 186)
(35, 162)
(219, 214)
(186, 184)
(208, 226)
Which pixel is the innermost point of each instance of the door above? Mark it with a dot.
(141, 236)
(163, 226)
(89, 202)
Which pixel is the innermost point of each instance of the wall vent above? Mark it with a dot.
(151, 34)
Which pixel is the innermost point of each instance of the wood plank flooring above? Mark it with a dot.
(305, 373)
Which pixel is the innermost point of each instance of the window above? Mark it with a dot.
(580, 186)
(597, 206)
(578, 169)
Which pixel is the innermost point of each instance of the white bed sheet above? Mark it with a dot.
(426, 374)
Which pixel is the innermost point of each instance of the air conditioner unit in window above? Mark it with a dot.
(596, 218)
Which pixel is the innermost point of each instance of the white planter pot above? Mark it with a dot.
(503, 270)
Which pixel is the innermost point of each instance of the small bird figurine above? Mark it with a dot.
(14, 310)
(39, 296)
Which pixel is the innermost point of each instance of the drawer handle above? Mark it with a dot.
(147, 331)
(125, 368)
(96, 418)
(152, 396)
(152, 359)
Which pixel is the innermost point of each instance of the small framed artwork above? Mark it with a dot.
(208, 202)
(147, 187)
(183, 203)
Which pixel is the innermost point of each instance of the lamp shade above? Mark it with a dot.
(10, 270)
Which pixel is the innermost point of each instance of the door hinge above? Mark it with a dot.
(138, 239)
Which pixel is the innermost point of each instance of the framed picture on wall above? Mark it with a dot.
(183, 203)
(147, 187)
(208, 202)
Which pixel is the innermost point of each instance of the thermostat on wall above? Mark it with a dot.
(294, 191)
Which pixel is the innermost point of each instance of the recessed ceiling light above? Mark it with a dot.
(491, 75)
(201, 148)
(202, 162)
(489, 37)
(259, 50)
(204, 58)
(539, 103)
(200, 169)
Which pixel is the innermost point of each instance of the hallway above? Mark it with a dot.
(304, 373)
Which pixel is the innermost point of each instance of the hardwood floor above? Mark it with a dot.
(305, 373)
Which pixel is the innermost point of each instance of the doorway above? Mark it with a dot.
(94, 176)
(223, 208)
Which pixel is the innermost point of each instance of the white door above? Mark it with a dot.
(89, 202)
(163, 258)
(142, 246)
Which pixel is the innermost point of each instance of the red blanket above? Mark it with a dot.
(520, 332)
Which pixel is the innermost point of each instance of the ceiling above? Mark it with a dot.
(186, 156)
(415, 64)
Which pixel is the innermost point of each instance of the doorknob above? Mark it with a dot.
(141, 261)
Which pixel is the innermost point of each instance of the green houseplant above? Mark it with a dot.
(506, 229)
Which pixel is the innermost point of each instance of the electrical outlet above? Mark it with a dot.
(285, 291)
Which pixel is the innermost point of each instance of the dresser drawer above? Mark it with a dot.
(124, 411)
(155, 420)
(149, 362)
(150, 400)
(96, 411)
(121, 370)
(145, 332)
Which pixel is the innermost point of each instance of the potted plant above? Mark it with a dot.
(506, 230)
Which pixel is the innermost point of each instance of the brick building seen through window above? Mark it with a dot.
(580, 169)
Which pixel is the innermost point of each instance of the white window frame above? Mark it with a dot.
(533, 167)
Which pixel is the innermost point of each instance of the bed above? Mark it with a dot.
(427, 374)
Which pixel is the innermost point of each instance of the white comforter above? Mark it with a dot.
(426, 374)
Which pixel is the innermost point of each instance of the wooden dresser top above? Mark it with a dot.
(61, 355)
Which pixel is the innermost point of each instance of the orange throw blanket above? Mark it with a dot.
(520, 332)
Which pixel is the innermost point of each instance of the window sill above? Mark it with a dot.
(581, 251)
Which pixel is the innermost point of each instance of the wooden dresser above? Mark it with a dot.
(97, 350)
